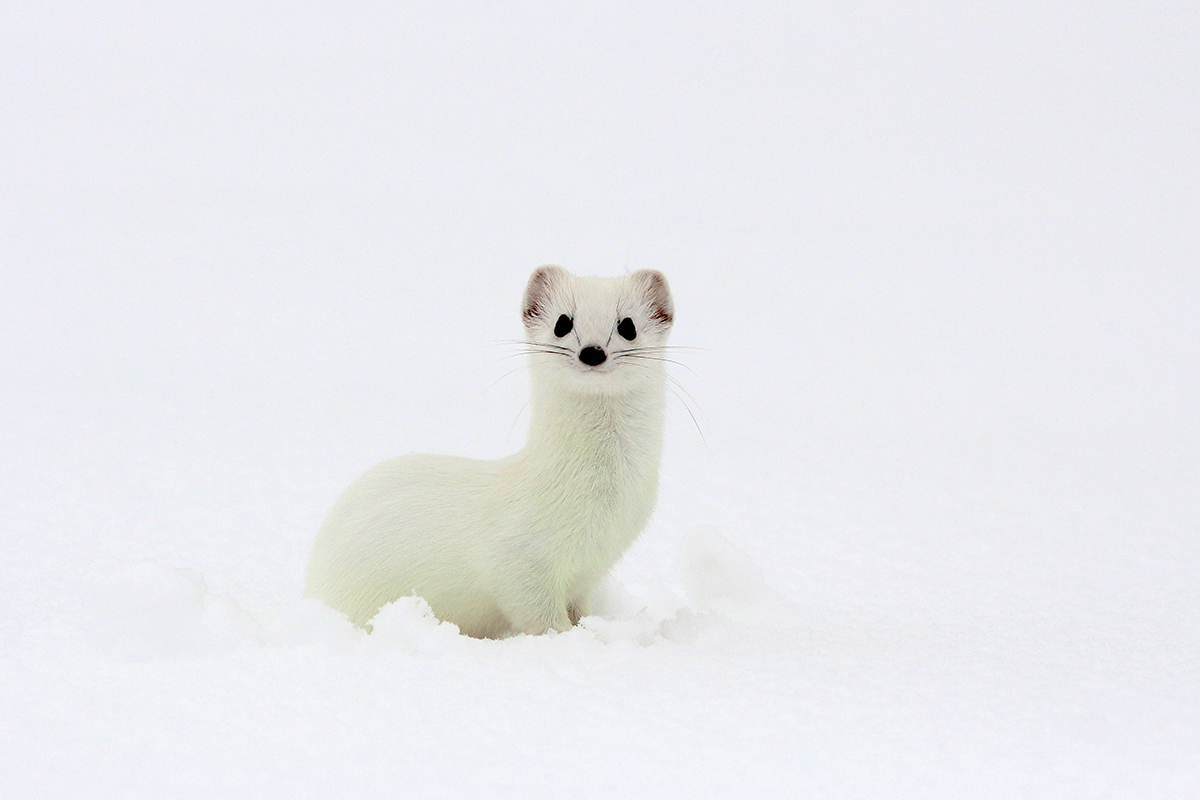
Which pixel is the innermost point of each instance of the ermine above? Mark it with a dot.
(517, 545)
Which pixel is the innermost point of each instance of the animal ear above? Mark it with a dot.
(541, 283)
(658, 295)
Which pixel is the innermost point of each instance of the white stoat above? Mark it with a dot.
(516, 545)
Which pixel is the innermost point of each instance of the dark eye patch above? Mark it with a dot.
(626, 329)
(563, 326)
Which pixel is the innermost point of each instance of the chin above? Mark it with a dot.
(597, 382)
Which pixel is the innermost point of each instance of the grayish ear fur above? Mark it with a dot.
(658, 295)
(540, 284)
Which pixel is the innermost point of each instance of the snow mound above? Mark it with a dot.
(148, 610)
(717, 576)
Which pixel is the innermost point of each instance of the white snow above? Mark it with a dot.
(940, 536)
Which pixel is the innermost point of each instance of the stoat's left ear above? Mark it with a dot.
(541, 284)
(653, 285)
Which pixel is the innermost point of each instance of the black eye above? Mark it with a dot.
(627, 330)
(563, 326)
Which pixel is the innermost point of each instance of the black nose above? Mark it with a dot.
(592, 356)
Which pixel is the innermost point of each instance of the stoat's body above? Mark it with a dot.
(517, 545)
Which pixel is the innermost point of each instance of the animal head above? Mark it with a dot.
(597, 334)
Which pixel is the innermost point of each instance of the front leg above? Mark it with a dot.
(538, 616)
(533, 607)
(579, 608)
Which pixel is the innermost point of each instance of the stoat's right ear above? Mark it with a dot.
(657, 294)
(541, 283)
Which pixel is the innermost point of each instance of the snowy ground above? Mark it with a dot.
(940, 536)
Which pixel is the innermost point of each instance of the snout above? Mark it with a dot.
(593, 356)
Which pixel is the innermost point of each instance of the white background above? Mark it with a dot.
(938, 534)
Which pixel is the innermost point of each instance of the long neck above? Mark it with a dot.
(606, 432)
